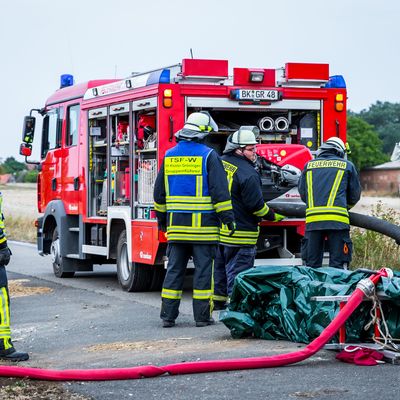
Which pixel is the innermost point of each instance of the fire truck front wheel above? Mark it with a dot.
(133, 277)
(63, 267)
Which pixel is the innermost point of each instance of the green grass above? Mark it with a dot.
(373, 250)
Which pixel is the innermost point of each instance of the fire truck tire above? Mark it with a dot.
(63, 267)
(158, 275)
(133, 277)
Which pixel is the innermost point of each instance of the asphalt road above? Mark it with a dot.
(88, 322)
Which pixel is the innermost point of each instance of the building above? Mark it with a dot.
(383, 178)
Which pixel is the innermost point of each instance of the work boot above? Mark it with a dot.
(220, 305)
(168, 324)
(201, 324)
(14, 356)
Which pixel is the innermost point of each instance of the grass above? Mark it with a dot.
(21, 229)
(373, 250)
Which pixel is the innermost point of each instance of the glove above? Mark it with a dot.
(278, 217)
(232, 227)
(5, 255)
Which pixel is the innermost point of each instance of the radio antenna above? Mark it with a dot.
(191, 52)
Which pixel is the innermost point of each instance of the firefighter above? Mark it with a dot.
(330, 186)
(7, 350)
(191, 197)
(238, 250)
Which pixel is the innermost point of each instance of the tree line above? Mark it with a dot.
(372, 135)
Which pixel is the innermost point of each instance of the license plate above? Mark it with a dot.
(253, 94)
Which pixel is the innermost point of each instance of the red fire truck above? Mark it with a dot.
(103, 141)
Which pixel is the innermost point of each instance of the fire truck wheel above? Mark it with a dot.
(63, 267)
(158, 275)
(133, 277)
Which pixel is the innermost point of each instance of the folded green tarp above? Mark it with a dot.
(275, 303)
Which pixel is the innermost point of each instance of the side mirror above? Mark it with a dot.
(28, 130)
(25, 149)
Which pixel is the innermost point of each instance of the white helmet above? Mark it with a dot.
(333, 143)
(197, 126)
(246, 135)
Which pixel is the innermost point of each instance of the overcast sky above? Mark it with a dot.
(42, 39)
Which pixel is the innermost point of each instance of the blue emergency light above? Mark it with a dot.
(336, 81)
(66, 80)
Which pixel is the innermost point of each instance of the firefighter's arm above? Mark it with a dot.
(5, 252)
(218, 187)
(354, 188)
(252, 196)
(159, 195)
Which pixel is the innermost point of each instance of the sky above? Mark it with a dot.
(94, 39)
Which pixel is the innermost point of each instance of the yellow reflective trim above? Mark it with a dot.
(199, 186)
(327, 217)
(326, 164)
(4, 309)
(335, 187)
(192, 229)
(171, 294)
(3, 239)
(223, 206)
(262, 212)
(189, 207)
(235, 240)
(183, 165)
(310, 189)
(247, 234)
(326, 209)
(217, 297)
(202, 294)
(189, 199)
(194, 237)
(160, 207)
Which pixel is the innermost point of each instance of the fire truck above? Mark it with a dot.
(103, 141)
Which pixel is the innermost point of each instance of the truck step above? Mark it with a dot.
(72, 256)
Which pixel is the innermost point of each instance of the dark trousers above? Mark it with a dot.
(6, 345)
(178, 257)
(229, 263)
(338, 243)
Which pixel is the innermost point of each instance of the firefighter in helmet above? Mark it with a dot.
(7, 350)
(191, 197)
(237, 251)
(330, 186)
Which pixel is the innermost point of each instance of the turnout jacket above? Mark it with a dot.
(191, 194)
(3, 237)
(247, 200)
(330, 186)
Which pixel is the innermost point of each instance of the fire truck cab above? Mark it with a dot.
(103, 141)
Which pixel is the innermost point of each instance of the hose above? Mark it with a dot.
(362, 221)
(364, 288)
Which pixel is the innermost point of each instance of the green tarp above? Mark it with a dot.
(275, 303)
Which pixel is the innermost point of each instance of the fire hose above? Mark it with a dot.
(364, 289)
(362, 221)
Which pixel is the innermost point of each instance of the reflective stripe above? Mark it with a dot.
(192, 237)
(160, 207)
(199, 186)
(4, 310)
(196, 223)
(326, 209)
(171, 294)
(202, 294)
(193, 229)
(239, 237)
(262, 212)
(223, 206)
(217, 297)
(335, 187)
(310, 189)
(327, 217)
(189, 199)
(189, 207)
